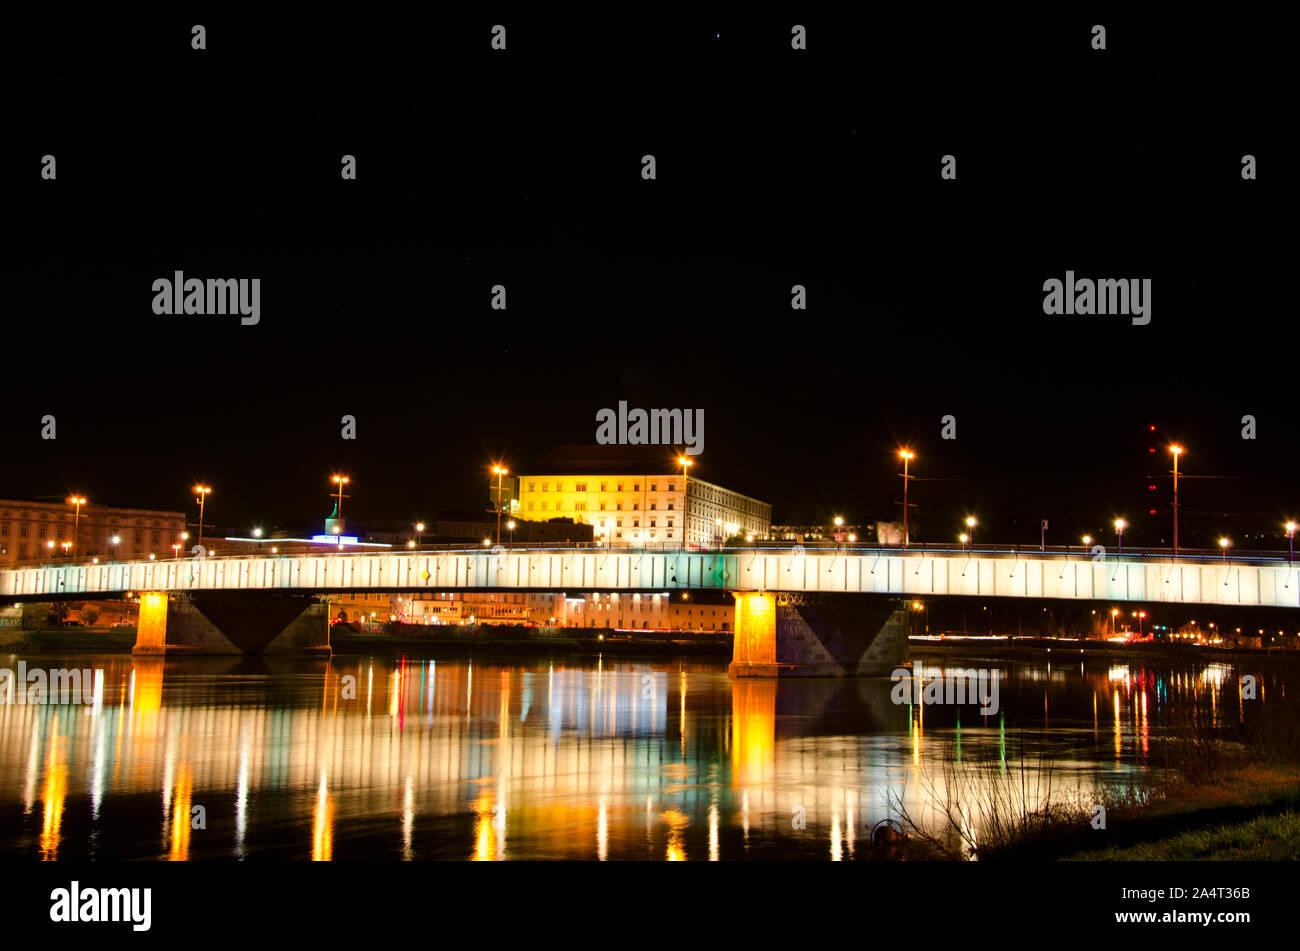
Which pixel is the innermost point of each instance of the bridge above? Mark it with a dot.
(791, 603)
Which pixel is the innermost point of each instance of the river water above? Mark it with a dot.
(393, 757)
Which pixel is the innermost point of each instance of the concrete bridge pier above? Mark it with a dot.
(231, 624)
(818, 635)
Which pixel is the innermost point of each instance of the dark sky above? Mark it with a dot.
(775, 167)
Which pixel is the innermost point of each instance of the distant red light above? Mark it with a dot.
(1153, 429)
(1150, 450)
(1152, 487)
(1151, 512)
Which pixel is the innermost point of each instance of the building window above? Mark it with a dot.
(546, 487)
(670, 506)
(155, 538)
(636, 486)
(559, 487)
(620, 487)
(636, 506)
(138, 535)
(580, 506)
(602, 486)
(672, 486)
(654, 486)
(530, 506)
(580, 487)
(653, 506)
(532, 486)
(41, 533)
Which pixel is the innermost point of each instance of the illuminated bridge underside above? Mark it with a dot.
(912, 574)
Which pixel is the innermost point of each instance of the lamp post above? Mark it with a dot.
(1290, 537)
(970, 536)
(907, 456)
(839, 535)
(1224, 544)
(78, 501)
(113, 543)
(511, 525)
(419, 531)
(1177, 451)
(1120, 525)
(499, 471)
(202, 491)
(176, 551)
(340, 481)
(685, 464)
(257, 533)
(1114, 612)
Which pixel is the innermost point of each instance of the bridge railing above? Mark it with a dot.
(1189, 555)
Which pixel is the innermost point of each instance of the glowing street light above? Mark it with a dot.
(1120, 525)
(1177, 451)
(1224, 544)
(78, 501)
(1290, 537)
(685, 464)
(340, 481)
(907, 456)
(1087, 540)
(113, 543)
(970, 536)
(202, 491)
(419, 530)
(511, 525)
(176, 551)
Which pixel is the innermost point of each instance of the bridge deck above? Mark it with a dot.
(912, 573)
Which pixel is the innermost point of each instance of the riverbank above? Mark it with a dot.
(1036, 647)
(81, 639)
(515, 641)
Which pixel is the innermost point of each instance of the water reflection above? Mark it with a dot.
(411, 758)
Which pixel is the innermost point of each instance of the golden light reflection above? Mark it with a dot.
(677, 823)
(322, 825)
(485, 839)
(753, 729)
(53, 793)
(181, 805)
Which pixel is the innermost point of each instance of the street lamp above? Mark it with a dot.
(1113, 613)
(202, 491)
(970, 525)
(78, 501)
(340, 481)
(257, 533)
(511, 525)
(685, 464)
(67, 548)
(1087, 540)
(114, 542)
(1290, 537)
(1177, 451)
(1120, 525)
(176, 551)
(907, 456)
(499, 471)
(419, 530)
(1224, 543)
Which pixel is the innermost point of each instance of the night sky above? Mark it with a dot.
(775, 167)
